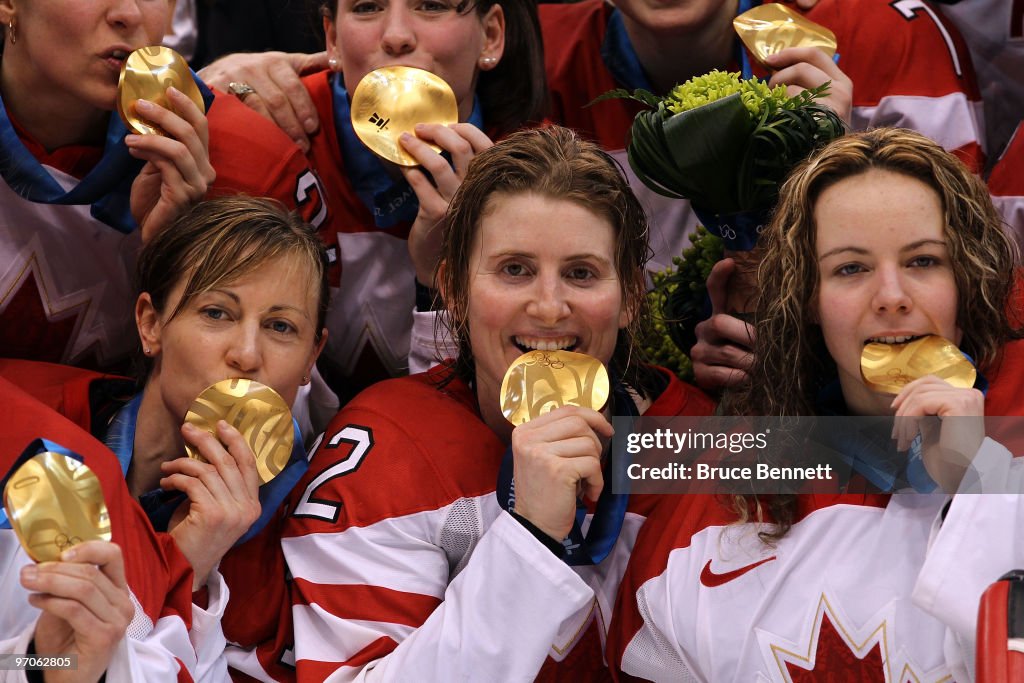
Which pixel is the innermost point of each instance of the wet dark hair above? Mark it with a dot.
(556, 163)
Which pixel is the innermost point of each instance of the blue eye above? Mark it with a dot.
(924, 261)
(214, 313)
(282, 327)
(849, 269)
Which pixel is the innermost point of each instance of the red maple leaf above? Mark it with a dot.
(835, 661)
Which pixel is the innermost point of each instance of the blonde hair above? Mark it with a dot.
(220, 240)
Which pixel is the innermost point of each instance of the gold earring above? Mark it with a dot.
(11, 33)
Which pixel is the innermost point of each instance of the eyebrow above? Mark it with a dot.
(572, 257)
(913, 246)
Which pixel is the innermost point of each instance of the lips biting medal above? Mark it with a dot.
(771, 28)
(145, 75)
(392, 100)
(55, 502)
(255, 410)
(887, 368)
(540, 381)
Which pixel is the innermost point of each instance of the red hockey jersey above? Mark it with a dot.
(402, 560)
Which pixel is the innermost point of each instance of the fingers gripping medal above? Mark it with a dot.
(391, 101)
(887, 368)
(257, 412)
(145, 75)
(55, 502)
(540, 381)
(771, 28)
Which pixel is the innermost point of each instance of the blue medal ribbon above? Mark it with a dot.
(33, 449)
(107, 187)
(867, 445)
(159, 505)
(590, 548)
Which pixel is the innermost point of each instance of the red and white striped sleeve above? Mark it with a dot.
(910, 68)
(403, 565)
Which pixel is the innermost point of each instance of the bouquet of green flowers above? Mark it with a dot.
(726, 144)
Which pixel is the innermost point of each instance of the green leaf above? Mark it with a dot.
(707, 145)
(639, 95)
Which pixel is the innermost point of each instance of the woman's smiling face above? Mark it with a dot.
(542, 275)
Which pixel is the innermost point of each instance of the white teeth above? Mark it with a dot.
(546, 344)
(901, 339)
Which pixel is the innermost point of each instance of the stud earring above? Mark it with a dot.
(332, 63)
(488, 62)
(305, 380)
(146, 351)
(11, 32)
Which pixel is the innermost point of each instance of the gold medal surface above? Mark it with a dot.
(392, 100)
(145, 75)
(771, 28)
(55, 502)
(255, 410)
(887, 368)
(540, 381)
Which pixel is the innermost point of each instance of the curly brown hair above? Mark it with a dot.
(791, 363)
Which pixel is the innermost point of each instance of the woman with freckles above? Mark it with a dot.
(880, 237)
(397, 543)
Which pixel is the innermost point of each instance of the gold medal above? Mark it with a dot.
(540, 381)
(771, 28)
(145, 75)
(887, 368)
(55, 502)
(255, 410)
(392, 100)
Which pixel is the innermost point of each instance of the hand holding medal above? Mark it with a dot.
(238, 435)
(933, 381)
(258, 413)
(391, 100)
(146, 75)
(163, 108)
(554, 397)
(56, 507)
(54, 502)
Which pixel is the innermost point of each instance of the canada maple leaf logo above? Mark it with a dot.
(835, 655)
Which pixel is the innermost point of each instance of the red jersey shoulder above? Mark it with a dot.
(900, 47)
(159, 576)
(251, 155)
(63, 388)
(400, 447)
